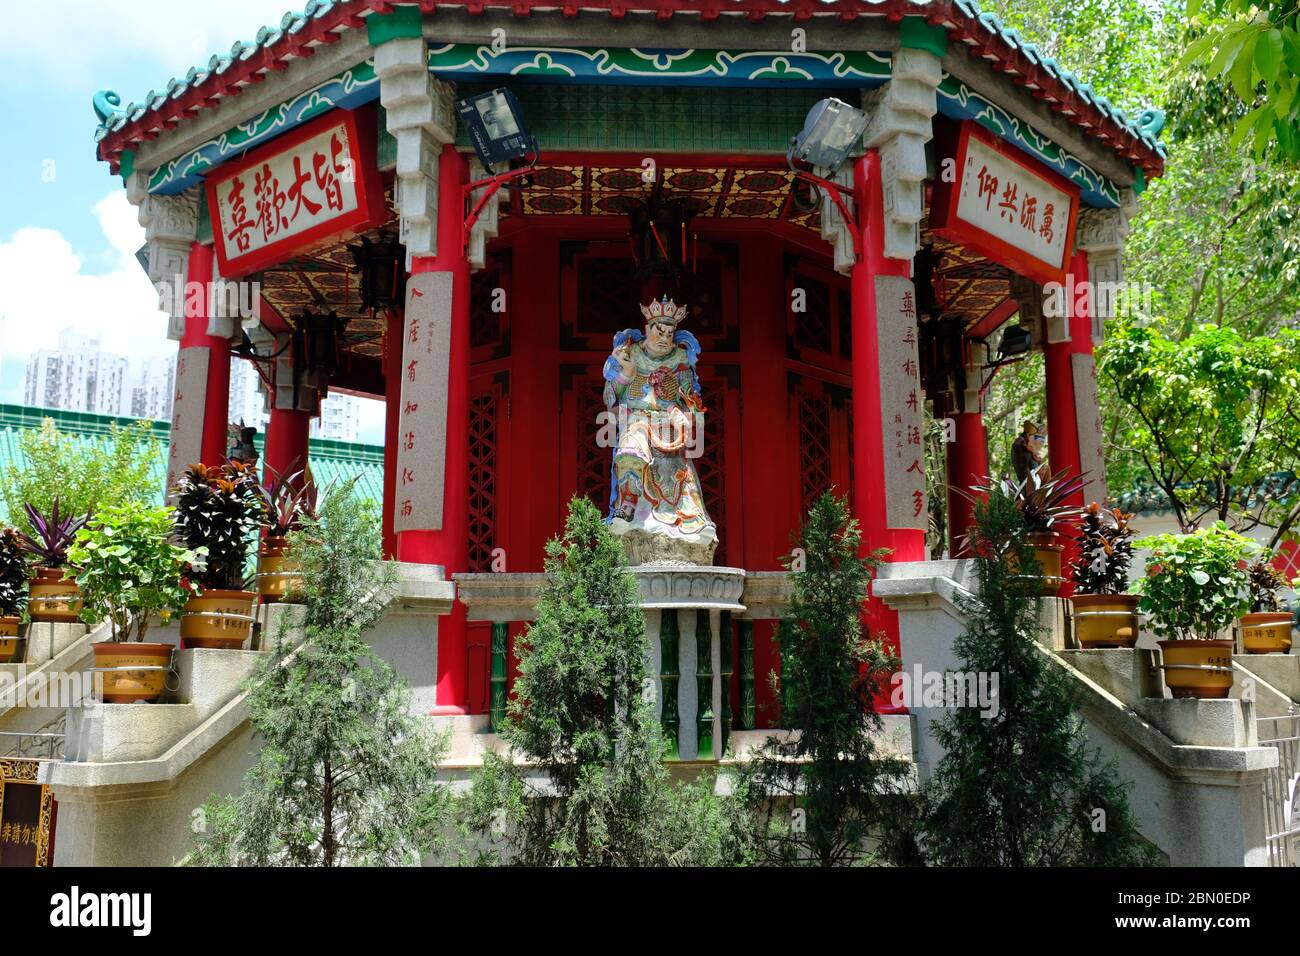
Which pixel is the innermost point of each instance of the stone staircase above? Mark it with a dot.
(1198, 769)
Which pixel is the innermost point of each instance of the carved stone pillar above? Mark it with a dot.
(1100, 233)
(170, 227)
(901, 114)
(421, 117)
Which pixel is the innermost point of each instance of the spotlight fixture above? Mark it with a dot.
(830, 133)
(496, 127)
(1016, 340)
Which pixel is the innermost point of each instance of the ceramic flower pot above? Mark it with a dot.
(1047, 548)
(8, 638)
(53, 597)
(1201, 669)
(1267, 632)
(220, 619)
(1105, 620)
(131, 673)
(279, 575)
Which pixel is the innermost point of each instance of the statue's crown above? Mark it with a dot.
(664, 310)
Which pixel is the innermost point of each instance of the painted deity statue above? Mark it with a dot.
(653, 394)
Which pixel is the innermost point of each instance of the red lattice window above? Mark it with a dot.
(489, 309)
(820, 333)
(712, 464)
(814, 410)
(594, 462)
(485, 419)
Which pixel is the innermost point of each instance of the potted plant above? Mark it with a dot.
(218, 510)
(1195, 586)
(1104, 615)
(129, 570)
(53, 595)
(1043, 502)
(13, 585)
(286, 503)
(1267, 628)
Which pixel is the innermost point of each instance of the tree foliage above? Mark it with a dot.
(822, 795)
(1020, 786)
(346, 776)
(1215, 417)
(584, 783)
(81, 472)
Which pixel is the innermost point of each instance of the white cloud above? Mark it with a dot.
(77, 44)
(45, 288)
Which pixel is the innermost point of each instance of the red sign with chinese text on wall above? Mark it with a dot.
(1004, 206)
(316, 184)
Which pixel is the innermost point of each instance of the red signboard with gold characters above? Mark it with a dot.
(316, 184)
(997, 201)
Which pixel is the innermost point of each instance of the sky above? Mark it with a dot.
(68, 237)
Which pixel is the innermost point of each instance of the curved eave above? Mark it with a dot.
(323, 22)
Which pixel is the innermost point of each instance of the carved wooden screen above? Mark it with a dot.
(820, 413)
(489, 416)
(490, 301)
(819, 316)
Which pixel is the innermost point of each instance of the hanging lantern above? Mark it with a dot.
(382, 267)
(660, 233)
(318, 339)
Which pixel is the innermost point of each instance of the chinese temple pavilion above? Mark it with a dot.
(330, 162)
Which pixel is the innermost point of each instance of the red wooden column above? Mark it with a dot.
(449, 545)
(216, 399)
(869, 504)
(286, 444)
(1063, 444)
(968, 464)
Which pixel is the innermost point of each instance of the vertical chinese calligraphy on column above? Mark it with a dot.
(422, 428)
(901, 401)
(188, 412)
(1087, 413)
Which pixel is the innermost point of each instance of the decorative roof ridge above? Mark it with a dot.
(122, 127)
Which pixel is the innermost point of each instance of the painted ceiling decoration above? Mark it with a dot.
(325, 280)
(122, 127)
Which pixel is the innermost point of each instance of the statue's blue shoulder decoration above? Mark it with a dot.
(621, 339)
(692, 347)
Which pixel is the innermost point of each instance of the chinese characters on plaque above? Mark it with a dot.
(287, 197)
(901, 403)
(1087, 414)
(1001, 204)
(187, 412)
(422, 428)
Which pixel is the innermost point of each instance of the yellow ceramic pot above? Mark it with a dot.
(119, 683)
(1047, 552)
(54, 598)
(221, 619)
(8, 638)
(1268, 632)
(1105, 620)
(1200, 669)
(279, 576)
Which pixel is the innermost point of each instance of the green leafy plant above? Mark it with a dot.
(1253, 45)
(52, 534)
(581, 720)
(13, 574)
(1265, 581)
(288, 501)
(832, 770)
(1196, 584)
(128, 569)
(1105, 551)
(1018, 786)
(80, 472)
(218, 511)
(347, 775)
(1042, 499)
